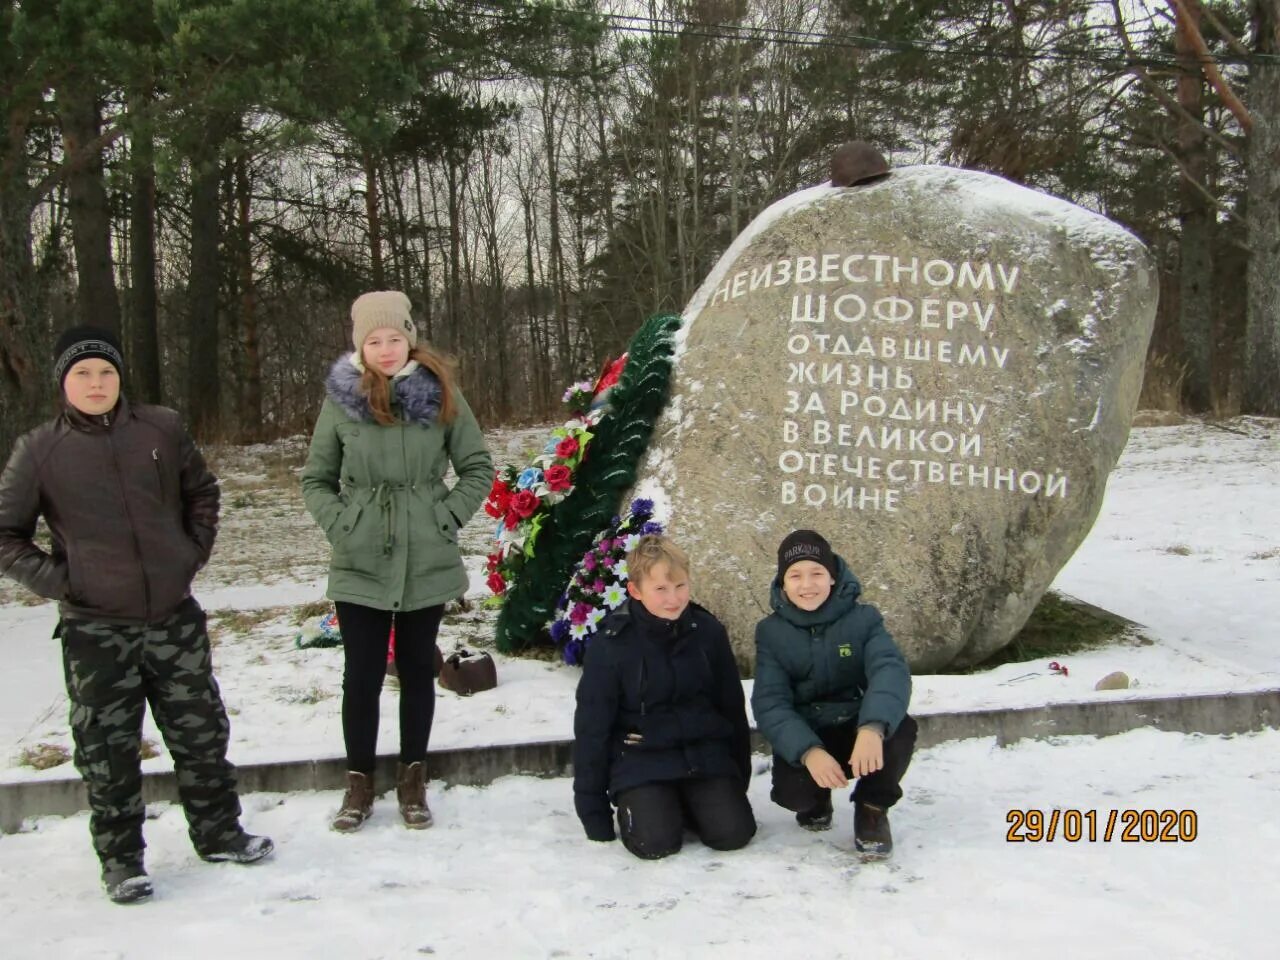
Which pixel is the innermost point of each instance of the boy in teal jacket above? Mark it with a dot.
(831, 694)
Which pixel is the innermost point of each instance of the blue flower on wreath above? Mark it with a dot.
(573, 651)
(560, 632)
(528, 477)
(641, 508)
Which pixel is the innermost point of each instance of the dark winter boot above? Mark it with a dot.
(819, 818)
(242, 848)
(357, 803)
(127, 884)
(411, 791)
(871, 835)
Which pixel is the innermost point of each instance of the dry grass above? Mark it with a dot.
(148, 749)
(1179, 549)
(44, 756)
(1056, 628)
(308, 695)
(245, 621)
(1266, 554)
(309, 611)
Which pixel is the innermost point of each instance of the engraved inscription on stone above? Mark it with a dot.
(936, 370)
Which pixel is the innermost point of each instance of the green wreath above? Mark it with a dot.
(609, 471)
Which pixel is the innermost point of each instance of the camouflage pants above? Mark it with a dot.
(112, 672)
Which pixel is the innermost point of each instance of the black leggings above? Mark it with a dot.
(366, 633)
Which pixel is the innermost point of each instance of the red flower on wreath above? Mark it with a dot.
(511, 520)
(499, 499)
(558, 477)
(612, 373)
(524, 503)
(496, 583)
(567, 447)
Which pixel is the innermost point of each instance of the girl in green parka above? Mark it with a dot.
(392, 423)
(831, 694)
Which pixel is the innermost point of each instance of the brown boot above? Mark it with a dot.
(357, 803)
(411, 791)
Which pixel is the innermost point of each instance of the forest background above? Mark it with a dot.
(218, 179)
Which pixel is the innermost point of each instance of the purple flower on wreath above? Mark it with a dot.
(573, 650)
(560, 631)
(580, 612)
(589, 561)
(651, 527)
(609, 562)
(598, 586)
(642, 508)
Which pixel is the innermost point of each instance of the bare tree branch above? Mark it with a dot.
(1210, 67)
(1162, 95)
(1227, 36)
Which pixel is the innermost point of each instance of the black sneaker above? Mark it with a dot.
(243, 848)
(819, 818)
(126, 884)
(872, 837)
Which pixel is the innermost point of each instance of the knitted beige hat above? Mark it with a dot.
(381, 308)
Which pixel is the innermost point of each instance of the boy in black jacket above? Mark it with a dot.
(661, 727)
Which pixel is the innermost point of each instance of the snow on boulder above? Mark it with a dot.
(937, 370)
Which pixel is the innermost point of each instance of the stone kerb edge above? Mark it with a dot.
(1210, 714)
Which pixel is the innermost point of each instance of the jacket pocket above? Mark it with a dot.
(75, 583)
(445, 524)
(340, 532)
(197, 556)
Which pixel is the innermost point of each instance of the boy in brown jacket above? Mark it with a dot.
(133, 512)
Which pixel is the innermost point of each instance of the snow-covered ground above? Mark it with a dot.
(506, 872)
(1188, 545)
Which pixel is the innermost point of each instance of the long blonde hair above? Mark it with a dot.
(376, 385)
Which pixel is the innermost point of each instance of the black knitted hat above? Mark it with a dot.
(805, 545)
(83, 343)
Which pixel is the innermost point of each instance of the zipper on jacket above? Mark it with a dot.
(641, 688)
(155, 458)
(133, 531)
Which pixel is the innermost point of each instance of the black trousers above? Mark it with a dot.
(366, 634)
(652, 817)
(794, 788)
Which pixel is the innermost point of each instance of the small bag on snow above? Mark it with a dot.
(466, 672)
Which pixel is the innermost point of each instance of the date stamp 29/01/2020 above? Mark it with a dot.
(1102, 826)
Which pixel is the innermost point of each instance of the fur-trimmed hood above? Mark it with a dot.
(417, 394)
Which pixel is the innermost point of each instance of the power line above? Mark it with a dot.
(1115, 58)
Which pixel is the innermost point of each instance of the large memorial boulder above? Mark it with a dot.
(936, 369)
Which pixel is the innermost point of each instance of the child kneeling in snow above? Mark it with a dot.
(133, 512)
(831, 695)
(660, 727)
